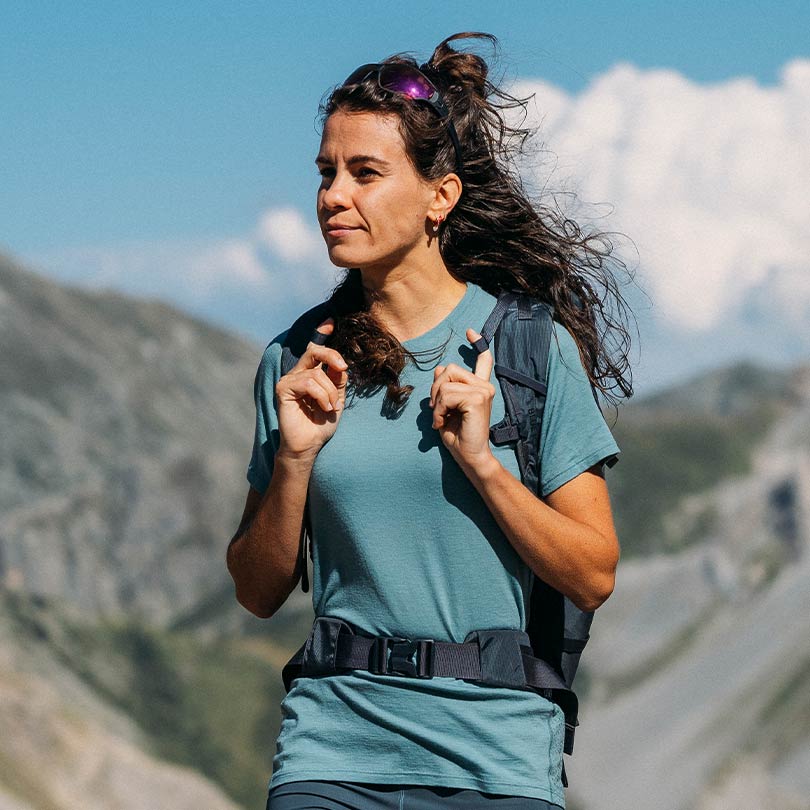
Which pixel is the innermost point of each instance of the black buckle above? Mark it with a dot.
(392, 656)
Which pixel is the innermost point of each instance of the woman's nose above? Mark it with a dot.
(334, 192)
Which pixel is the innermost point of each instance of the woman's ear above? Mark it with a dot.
(445, 196)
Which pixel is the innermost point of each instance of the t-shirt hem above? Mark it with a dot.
(605, 452)
(418, 778)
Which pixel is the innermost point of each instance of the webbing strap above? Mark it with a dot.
(523, 379)
(503, 433)
(480, 345)
(574, 645)
(499, 310)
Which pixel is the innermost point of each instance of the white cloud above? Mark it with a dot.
(281, 260)
(286, 233)
(710, 181)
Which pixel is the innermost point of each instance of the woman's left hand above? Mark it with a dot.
(462, 408)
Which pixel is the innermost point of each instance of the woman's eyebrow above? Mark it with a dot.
(356, 159)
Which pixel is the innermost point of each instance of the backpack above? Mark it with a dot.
(557, 629)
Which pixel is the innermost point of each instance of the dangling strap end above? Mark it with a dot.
(302, 560)
(481, 345)
(319, 337)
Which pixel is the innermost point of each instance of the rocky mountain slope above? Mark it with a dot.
(125, 432)
(699, 668)
(64, 746)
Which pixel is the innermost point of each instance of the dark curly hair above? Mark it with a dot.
(494, 237)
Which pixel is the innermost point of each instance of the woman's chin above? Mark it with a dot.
(341, 257)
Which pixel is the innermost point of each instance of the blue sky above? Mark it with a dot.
(167, 150)
(125, 121)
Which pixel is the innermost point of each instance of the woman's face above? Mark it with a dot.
(369, 186)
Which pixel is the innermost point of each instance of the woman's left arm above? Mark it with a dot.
(568, 539)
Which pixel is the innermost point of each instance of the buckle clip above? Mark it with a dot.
(393, 656)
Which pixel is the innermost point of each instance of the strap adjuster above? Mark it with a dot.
(393, 656)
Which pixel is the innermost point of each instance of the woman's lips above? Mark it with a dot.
(339, 231)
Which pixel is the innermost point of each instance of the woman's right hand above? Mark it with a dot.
(310, 400)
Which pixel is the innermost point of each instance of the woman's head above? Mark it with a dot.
(392, 114)
(437, 147)
(491, 235)
(375, 210)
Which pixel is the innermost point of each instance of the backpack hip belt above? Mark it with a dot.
(498, 657)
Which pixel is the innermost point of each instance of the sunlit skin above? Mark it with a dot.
(368, 183)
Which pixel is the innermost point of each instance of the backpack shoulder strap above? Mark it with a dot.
(302, 332)
(521, 327)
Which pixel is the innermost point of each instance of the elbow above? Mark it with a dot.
(246, 597)
(252, 605)
(596, 595)
(601, 583)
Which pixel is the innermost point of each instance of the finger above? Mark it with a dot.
(448, 400)
(335, 383)
(451, 373)
(485, 360)
(316, 355)
(460, 397)
(333, 359)
(316, 390)
(340, 384)
(437, 372)
(325, 328)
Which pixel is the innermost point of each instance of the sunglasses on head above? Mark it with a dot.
(408, 80)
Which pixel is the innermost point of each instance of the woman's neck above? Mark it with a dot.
(409, 303)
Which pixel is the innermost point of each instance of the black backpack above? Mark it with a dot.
(521, 327)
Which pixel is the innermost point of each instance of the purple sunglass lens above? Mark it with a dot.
(406, 80)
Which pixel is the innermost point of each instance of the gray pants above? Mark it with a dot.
(325, 795)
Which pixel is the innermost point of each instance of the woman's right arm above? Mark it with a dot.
(263, 555)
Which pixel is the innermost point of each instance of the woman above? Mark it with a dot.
(421, 526)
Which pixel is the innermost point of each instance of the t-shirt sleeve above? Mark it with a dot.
(266, 438)
(574, 435)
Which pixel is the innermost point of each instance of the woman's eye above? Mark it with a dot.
(364, 172)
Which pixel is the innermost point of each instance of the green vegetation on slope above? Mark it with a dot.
(212, 706)
(683, 442)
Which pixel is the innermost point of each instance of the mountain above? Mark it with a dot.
(125, 432)
(125, 661)
(698, 673)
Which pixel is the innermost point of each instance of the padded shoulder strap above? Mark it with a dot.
(301, 333)
(521, 327)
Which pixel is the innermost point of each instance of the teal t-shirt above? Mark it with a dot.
(405, 546)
